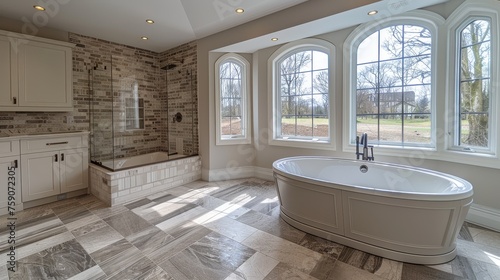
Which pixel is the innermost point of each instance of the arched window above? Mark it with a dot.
(301, 86)
(391, 81)
(232, 100)
(473, 86)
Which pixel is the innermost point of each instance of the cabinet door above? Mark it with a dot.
(8, 76)
(40, 175)
(74, 170)
(45, 75)
(10, 184)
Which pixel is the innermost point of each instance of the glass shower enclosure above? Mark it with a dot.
(141, 116)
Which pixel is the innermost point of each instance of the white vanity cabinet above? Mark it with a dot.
(53, 165)
(36, 74)
(10, 190)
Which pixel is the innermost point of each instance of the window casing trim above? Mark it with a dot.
(310, 44)
(245, 99)
(423, 18)
(468, 12)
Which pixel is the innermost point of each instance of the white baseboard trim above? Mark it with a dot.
(484, 216)
(263, 173)
(237, 173)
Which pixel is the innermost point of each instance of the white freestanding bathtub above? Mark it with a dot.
(398, 212)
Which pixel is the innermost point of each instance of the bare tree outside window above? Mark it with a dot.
(231, 98)
(474, 85)
(303, 95)
(393, 85)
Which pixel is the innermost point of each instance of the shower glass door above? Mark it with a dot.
(101, 115)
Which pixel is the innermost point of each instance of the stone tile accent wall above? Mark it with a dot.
(124, 186)
(181, 85)
(129, 64)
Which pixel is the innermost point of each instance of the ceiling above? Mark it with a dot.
(124, 21)
(180, 21)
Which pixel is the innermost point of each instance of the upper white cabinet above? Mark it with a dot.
(38, 75)
(8, 76)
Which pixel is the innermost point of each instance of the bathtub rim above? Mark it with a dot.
(380, 192)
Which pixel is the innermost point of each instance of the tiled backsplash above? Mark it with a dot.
(129, 64)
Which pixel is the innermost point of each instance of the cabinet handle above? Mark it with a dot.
(56, 157)
(62, 157)
(14, 99)
(15, 163)
(56, 143)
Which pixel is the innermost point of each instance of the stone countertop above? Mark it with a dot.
(20, 135)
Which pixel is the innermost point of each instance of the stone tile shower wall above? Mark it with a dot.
(128, 63)
(181, 84)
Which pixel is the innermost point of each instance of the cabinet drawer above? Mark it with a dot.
(51, 144)
(9, 148)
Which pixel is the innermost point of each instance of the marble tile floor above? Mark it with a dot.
(218, 230)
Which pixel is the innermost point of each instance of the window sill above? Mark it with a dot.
(306, 144)
(233, 141)
(414, 155)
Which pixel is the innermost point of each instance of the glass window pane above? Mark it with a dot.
(235, 126)
(474, 84)
(319, 60)
(417, 41)
(391, 126)
(321, 126)
(302, 74)
(320, 104)
(304, 126)
(417, 70)
(320, 81)
(367, 123)
(304, 106)
(368, 49)
(288, 106)
(476, 32)
(288, 126)
(392, 87)
(304, 83)
(391, 39)
(390, 73)
(367, 76)
(475, 61)
(303, 61)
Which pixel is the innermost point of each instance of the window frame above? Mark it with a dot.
(310, 44)
(460, 18)
(245, 137)
(422, 18)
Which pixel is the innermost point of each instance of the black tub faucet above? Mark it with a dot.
(364, 142)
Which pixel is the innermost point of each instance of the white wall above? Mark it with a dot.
(486, 181)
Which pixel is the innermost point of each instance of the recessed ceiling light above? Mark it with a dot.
(38, 7)
(371, 13)
(144, 38)
(274, 39)
(150, 21)
(239, 11)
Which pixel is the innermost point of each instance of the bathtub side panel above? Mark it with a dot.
(317, 206)
(415, 227)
